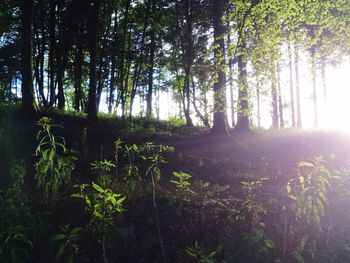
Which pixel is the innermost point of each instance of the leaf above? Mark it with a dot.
(301, 179)
(59, 237)
(305, 164)
(98, 188)
(288, 188)
(269, 243)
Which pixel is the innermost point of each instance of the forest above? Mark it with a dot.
(204, 131)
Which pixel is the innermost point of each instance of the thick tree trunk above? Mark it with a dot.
(93, 25)
(219, 118)
(28, 102)
(243, 111)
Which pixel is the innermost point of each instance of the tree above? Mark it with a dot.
(28, 102)
(93, 24)
(219, 119)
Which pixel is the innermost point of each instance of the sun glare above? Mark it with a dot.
(334, 108)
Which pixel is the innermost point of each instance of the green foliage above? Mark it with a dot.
(54, 165)
(15, 219)
(103, 168)
(65, 240)
(201, 255)
(102, 204)
(181, 180)
(143, 163)
(253, 212)
(308, 191)
(15, 246)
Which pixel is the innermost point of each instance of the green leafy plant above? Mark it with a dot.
(181, 180)
(54, 165)
(15, 218)
(103, 168)
(202, 255)
(308, 192)
(102, 204)
(143, 164)
(66, 242)
(252, 212)
(15, 246)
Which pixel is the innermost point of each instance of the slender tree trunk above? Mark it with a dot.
(78, 66)
(274, 99)
(219, 118)
(93, 25)
(122, 59)
(100, 66)
(297, 88)
(291, 85)
(28, 102)
(258, 102)
(139, 62)
(52, 49)
(314, 88)
(151, 64)
(324, 82)
(202, 117)
(243, 111)
(113, 66)
(280, 101)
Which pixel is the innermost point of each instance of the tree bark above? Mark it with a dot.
(297, 88)
(151, 65)
(291, 85)
(280, 101)
(28, 101)
(314, 88)
(78, 66)
(93, 25)
(243, 111)
(52, 49)
(219, 118)
(274, 99)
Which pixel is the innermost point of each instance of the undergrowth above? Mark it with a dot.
(130, 209)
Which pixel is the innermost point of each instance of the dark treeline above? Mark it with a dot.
(81, 55)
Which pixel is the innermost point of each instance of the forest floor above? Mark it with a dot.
(211, 213)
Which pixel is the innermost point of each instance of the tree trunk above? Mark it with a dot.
(258, 103)
(93, 24)
(296, 68)
(28, 102)
(100, 65)
(243, 106)
(280, 101)
(314, 91)
(274, 99)
(122, 59)
(219, 118)
(52, 49)
(291, 85)
(78, 66)
(139, 62)
(151, 65)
